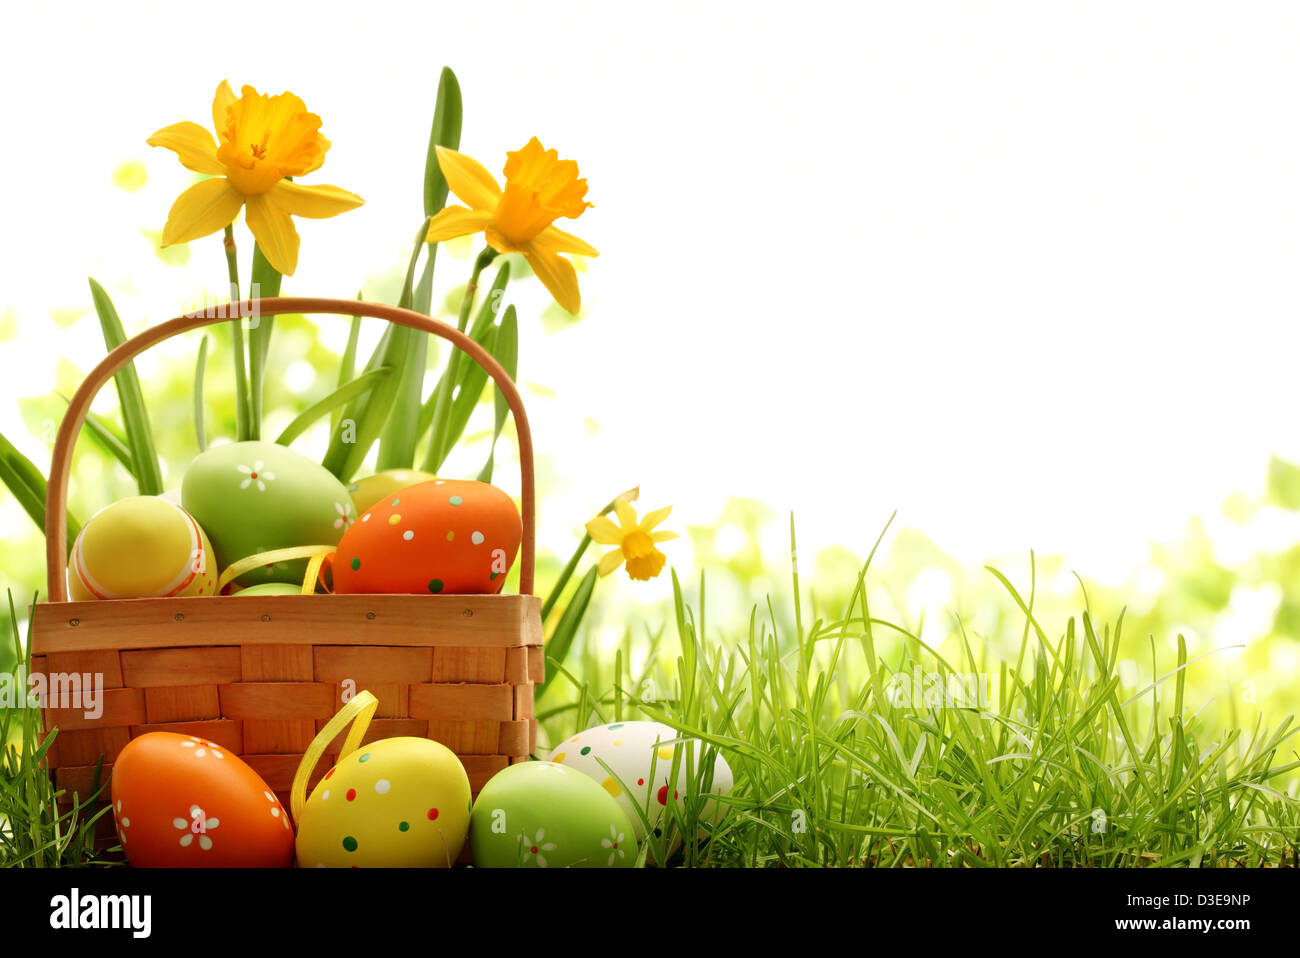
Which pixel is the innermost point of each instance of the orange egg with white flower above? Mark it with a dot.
(181, 801)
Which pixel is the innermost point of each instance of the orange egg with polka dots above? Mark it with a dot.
(446, 536)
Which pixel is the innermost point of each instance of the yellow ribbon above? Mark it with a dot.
(359, 711)
(316, 554)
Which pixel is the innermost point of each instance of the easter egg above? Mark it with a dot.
(443, 536)
(543, 815)
(640, 760)
(253, 497)
(142, 547)
(182, 802)
(396, 803)
(272, 588)
(366, 492)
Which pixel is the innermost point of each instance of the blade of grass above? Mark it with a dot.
(447, 116)
(457, 374)
(561, 640)
(400, 434)
(347, 364)
(107, 440)
(28, 486)
(365, 418)
(477, 330)
(340, 396)
(135, 418)
(507, 353)
(200, 371)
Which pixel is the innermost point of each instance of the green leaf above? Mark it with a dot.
(362, 384)
(139, 437)
(107, 440)
(422, 301)
(397, 446)
(462, 397)
(468, 393)
(348, 363)
(431, 417)
(447, 112)
(336, 456)
(507, 354)
(558, 645)
(355, 435)
(200, 369)
(28, 486)
(265, 284)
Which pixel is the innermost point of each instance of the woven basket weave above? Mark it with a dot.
(261, 675)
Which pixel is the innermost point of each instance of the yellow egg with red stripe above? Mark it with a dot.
(142, 547)
(452, 536)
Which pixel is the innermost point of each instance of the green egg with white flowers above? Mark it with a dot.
(254, 497)
(543, 815)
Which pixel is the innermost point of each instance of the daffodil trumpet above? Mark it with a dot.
(636, 542)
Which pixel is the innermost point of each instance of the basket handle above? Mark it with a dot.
(56, 496)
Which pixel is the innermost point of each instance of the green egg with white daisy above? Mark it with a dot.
(543, 815)
(256, 497)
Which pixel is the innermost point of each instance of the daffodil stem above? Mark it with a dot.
(571, 567)
(442, 408)
(237, 338)
(565, 576)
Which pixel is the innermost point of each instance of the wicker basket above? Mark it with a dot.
(262, 675)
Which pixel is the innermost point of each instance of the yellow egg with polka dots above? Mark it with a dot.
(141, 547)
(368, 491)
(397, 803)
(637, 769)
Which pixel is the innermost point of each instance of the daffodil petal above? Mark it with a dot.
(202, 209)
(453, 221)
(468, 179)
(653, 519)
(610, 561)
(626, 515)
(313, 202)
(555, 240)
(274, 232)
(193, 146)
(604, 532)
(220, 103)
(663, 535)
(557, 275)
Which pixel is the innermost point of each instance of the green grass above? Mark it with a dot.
(1061, 767)
(1058, 769)
(41, 826)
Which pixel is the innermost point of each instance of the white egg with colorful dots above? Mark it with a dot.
(637, 764)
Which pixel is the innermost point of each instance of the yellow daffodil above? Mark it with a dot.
(635, 541)
(540, 188)
(262, 140)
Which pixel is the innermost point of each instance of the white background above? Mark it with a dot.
(1023, 271)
